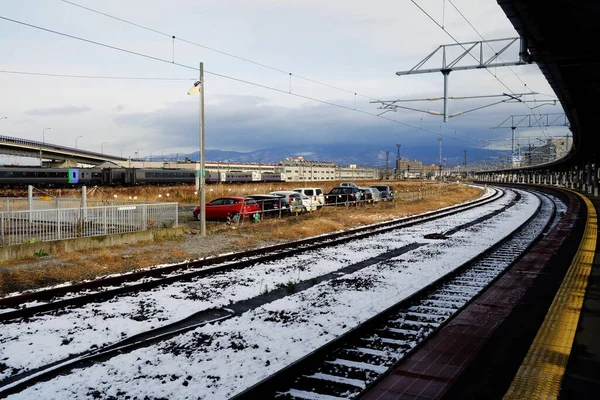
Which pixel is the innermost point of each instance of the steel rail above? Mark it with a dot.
(230, 262)
(405, 326)
(145, 339)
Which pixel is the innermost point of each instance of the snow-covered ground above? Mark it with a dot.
(50, 337)
(217, 361)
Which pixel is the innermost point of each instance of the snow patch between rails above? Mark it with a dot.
(217, 361)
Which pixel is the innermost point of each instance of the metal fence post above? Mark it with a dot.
(105, 220)
(84, 202)
(58, 227)
(30, 200)
(2, 229)
(144, 217)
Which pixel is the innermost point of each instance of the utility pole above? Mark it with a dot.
(465, 158)
(387, 165)
(440, 155)
(398, 145)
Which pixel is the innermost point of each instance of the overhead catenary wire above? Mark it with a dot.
(154, 58)
(175, 37)
(96, 76)
(465, 49)
(490, 46)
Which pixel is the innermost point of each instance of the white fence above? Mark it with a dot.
(67, 223)
(47, 203)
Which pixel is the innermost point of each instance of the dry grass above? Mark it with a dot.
(186, 194)
(76, 266)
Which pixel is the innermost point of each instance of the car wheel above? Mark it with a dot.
(197, 216)
(235, 218)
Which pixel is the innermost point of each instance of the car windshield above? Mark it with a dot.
(337, 190)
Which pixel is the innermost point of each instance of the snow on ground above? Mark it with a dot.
(217, 361)
(51, 337)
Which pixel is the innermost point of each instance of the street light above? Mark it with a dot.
(137, 153)
(76, 141)
(102, 147)
(43, 143)
(199, 88)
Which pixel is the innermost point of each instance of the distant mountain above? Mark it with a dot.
(345, 154)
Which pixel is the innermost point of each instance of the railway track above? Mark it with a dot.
(144, 339)
(348, 366)
(28, 304)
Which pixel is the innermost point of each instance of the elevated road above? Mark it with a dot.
(47, 151)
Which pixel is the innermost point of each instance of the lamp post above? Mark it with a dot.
(76, 141)
(199, 88)
(43, 143)
(102, 147)
(137, 154)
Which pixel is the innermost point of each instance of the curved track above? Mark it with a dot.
(346, 367)
(20, 381)
(28, 304)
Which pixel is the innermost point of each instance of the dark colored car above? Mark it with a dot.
(271, 205)
(229, 208)
(387, 192)
(343, 195)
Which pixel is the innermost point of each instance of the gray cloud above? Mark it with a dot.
(64, 110)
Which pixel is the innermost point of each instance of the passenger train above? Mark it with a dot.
(23, 176)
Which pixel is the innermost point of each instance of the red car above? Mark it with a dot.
(232, 208)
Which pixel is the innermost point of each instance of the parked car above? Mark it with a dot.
(386, 192)
(271, 205)
(298, 202)
(228, 208)
(371, 195)
(348, 184)
(343, 195)
(315, 193)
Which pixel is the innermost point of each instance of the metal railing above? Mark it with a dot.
(47, 203)
(30, 226)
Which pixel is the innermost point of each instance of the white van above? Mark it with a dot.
(316, 194)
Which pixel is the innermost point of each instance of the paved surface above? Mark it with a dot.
(582, 377)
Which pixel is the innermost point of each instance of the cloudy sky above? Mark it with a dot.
(332, 49)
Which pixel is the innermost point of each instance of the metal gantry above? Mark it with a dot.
(525, 121)
(476, 51)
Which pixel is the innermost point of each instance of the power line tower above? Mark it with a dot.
(398, 146)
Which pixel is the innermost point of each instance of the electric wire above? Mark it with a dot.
(218, 75)
(468, 52)
(95, 76)
(490, 46)
(174, 37)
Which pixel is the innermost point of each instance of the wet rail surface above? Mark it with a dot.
(348, 366)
